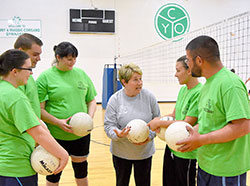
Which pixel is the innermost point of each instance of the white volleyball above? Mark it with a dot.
(161, 134)
(176, 132)
(82, 124)
(139, 131)
(43, 162)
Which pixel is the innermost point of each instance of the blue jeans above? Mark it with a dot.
(18, 181)
(206, 179)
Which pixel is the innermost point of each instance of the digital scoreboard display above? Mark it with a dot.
(92, 21)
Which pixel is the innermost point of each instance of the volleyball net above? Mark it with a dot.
(158, 61)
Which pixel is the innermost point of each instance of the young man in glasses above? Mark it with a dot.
(32, 46)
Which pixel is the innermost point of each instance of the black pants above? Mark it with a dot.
(142, 171)
(178, 171)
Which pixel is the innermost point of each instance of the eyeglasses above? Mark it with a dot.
(29, 69)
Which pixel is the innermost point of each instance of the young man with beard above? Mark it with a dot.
(223, 137)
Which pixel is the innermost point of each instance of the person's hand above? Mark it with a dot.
(142, 143)
(154, 124)
(192, 142)
(122, 133)
(158, 130)
(63, 162)
(63, 124)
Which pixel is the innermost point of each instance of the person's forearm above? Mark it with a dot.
(191, 120)
(228, 133)
(165, 124)
(44, 125)
(45, 116)
(92, 108)
(173, 113)
(44, 138)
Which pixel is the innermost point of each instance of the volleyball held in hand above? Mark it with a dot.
(139, 131)
(43, 162)
(176, 132)
(161, 134)
(82, 124)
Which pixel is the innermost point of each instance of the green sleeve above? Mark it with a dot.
(193, 108)
(27, 118)
(91, 93)
(236, 104)
(180, 94)
(42, 88)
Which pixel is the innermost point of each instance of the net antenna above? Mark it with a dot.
(115, 76)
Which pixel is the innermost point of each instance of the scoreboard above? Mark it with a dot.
(92, 21)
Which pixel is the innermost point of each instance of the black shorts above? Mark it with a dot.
(17, 181)
(76, 148)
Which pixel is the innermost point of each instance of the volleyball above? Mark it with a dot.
(82, 124)
(139, 131)
(175, 132)
(43, 162)
(161, 134)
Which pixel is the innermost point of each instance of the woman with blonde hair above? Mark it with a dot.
(131, 102)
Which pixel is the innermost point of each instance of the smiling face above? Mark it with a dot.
(22, 75)
(182, 73)
(65, 63)
(134, 85)
(34, 53)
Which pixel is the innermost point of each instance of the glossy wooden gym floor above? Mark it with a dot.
(101, 171)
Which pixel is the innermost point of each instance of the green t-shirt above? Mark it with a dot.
(16, 145)
(65, 93)
(223, 98)
(30, 90)
(187, 105)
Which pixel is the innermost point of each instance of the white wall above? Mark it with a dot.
(134, 27)
(95, 50)
(136, 18)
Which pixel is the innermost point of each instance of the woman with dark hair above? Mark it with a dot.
(20, 127)
(179, 169)
(63, 91)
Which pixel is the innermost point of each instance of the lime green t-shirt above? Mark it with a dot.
(187, 105)
(223, 98)
(30, 90)
(16, 145)
(65, 93)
